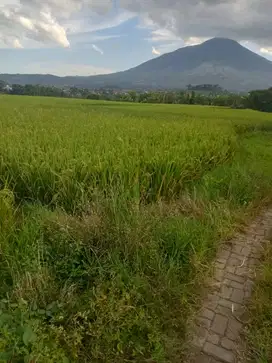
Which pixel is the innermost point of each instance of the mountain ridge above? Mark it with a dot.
(218, 60)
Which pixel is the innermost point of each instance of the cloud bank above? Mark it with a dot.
(46, 21)
(238, 19)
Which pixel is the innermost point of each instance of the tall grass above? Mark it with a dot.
(110, 216)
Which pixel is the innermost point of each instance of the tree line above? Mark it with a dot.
(211, 95)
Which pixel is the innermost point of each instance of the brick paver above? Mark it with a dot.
(216, 335)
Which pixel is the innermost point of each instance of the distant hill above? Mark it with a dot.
(216, 61)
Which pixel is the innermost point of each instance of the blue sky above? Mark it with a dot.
(84, 37)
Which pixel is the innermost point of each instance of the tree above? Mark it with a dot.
(133, 96)
(260, 100)
(17, 89)
(93, 96)
(2, 86)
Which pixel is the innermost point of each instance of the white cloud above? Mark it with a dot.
(194, 41)
(266, 50)
(93, 22)
(44, 21)
(145, 22)
(155, 51)
(26, 23)
(163, 35)
(15, 24)
(165, 39)
(97, 49)
(17, 44)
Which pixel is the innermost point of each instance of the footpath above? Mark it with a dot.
(216, 336)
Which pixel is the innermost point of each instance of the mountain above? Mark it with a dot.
(217, 51)
(216, 61)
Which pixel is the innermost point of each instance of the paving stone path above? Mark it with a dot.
(216, 335)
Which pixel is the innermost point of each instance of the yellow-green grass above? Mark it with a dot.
(110, 215)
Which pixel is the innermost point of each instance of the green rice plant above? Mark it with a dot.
(6, 211)
(57, 160)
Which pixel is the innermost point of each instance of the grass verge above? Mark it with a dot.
(259, 330)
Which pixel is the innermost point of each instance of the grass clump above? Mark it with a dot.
(110, 291)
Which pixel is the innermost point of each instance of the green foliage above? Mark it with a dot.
(260, 100)
(24, 337)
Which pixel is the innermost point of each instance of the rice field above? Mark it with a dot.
(109, 216)
(62, 153)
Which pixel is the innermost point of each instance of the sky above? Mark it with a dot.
(87, 37)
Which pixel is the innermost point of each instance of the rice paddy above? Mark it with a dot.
(109, 216)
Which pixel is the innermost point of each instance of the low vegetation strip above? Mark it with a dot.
(110, 215)
(259, 327)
